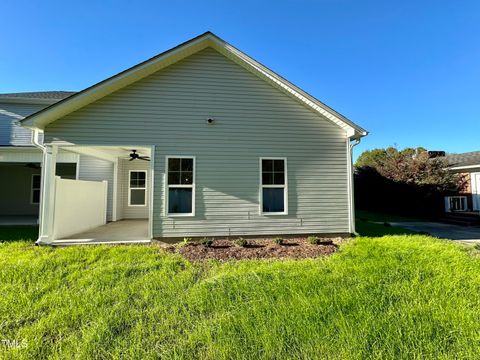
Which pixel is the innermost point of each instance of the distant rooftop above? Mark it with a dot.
(40, 95)
(464, 159)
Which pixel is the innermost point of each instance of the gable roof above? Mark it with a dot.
(36, 97)
(51, 113)
(463, 160)
(56, 95)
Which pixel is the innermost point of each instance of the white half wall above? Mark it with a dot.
(79, 206)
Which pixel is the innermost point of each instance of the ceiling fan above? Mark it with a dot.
(133, 156)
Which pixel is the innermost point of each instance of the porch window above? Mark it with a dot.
(35, 190)
(137, 189)
(180, 186)
(273, 188)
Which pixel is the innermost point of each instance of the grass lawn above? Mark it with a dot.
(376, 224)
(390, 297)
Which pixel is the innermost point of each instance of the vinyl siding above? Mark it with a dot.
(252, 119)
(94, 169)
(10, 133)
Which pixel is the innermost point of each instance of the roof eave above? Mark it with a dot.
(27, 100)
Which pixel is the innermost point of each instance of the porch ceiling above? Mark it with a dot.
(109, 153)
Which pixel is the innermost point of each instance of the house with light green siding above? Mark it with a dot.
(203, 141)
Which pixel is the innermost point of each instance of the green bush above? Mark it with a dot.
(278, 241)
(241, 242)
(206, 242)
(313, 240)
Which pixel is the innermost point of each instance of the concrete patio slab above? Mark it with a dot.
(117, 232)
(445, 231)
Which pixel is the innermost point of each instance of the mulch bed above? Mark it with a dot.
(296, 248)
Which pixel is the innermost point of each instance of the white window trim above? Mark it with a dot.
(31, 189)
(285, 187)
(168, 186)
(447, 203)
(142, 188)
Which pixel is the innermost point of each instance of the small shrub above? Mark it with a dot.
(186, 240)
(278, 241)
(241, 242)
(313, 240)
(206, 242)
(476, 246)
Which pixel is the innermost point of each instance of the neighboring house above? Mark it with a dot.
(20, 159)
(234, 149)
(468, 198)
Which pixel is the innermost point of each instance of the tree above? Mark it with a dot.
(409, 166)
(405, 182)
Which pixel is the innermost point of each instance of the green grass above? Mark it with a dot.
(367, 228)
(379, 217)
(387, 298)
(377, 225)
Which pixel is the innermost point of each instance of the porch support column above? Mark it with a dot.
(47, 198)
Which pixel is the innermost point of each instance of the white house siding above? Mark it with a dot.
(124, 167)
(252, 119)
(10, 133)
(94, 169)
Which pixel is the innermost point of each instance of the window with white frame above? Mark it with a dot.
(35, 190)
(180, 186)
(137, 188)
(273, 191)
(457, 203)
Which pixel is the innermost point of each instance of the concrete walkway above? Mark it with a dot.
(117, 232)
(445, 231)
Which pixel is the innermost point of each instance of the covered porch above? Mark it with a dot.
(108, 203)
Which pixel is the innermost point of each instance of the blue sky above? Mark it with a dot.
(407, 71)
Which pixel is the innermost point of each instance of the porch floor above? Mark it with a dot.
(133, 231)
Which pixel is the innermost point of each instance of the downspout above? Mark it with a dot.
(351, 186)
(36, 143)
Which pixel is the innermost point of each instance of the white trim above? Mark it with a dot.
(115, 191)
(475, 185)
(77, 167)
(142, 188)
(284, 187)
(448, 207)
(152, 190)
(32, 189)
(351, 186)
(168, 186)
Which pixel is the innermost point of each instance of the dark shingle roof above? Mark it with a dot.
(40, 95)
(464, 159)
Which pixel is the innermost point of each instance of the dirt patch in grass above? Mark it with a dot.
(295, 248)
